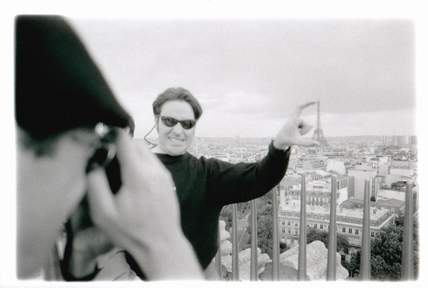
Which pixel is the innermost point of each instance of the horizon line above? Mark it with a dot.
(261, 137)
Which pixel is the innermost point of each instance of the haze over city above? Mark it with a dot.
(248, 74)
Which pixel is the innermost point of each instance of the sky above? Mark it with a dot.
(250, 74)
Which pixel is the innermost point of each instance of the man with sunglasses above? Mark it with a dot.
(69, 129)
(204, 186)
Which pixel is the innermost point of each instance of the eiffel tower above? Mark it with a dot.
(318, 133)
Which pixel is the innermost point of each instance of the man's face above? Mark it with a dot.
(175, 140)
(49, 189)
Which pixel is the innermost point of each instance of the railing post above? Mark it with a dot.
(407, 268)
(301, 274)
(235, 248)
(365, 245)
(332, 233)
(275, 240)
(253, 270)
(51, 269)
(218, 256)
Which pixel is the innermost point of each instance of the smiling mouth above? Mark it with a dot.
(176, 141)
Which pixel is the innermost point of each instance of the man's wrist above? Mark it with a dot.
(81, 266)
(78, 269)
(150, 246)
(173, 258)
(280, 146)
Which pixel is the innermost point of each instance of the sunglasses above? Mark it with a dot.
(171, 122)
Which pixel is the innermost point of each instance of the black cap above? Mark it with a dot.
(58, 85)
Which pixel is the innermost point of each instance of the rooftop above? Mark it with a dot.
(355, 215)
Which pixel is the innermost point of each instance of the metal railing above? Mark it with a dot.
(332, 234)
(407, 268)
(407, 260)
(365, 243)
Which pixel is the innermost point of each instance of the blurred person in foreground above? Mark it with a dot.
(66, 114)
(204, 186)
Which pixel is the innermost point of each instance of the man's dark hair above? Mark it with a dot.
(177, 93)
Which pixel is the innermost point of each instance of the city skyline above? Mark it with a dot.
(248, 74)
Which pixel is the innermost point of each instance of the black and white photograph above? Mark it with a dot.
(227, 148)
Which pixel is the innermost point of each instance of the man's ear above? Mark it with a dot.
(157, 117)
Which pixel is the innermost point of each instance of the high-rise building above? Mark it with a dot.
(351, 186)
(360, 176)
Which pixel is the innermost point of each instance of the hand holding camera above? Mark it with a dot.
(144, 212)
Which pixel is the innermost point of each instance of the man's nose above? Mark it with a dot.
(178, 128)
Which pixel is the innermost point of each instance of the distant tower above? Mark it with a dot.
(318, 134)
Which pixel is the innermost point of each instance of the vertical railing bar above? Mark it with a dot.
(407, 272)
(275, 238)
(218, 255)
(235, 251)
(51, 268)
(365, 246)
(253, 270)
(301, 275)
(332, 233)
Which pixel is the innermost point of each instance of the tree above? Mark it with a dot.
(226, 213)
(264, 228)
(386, 253)
(353, 266)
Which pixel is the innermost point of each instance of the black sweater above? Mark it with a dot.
(204, 186)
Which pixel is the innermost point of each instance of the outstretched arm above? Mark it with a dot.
(231, 183)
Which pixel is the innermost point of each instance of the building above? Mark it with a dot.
(400, 175)
(392, 194)
(360, 175)
(349, 221)
(312, 163)
(383, 169)
(336, 166)
(318, 190)
(413, 140)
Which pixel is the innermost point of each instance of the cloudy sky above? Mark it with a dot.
(249, 74)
